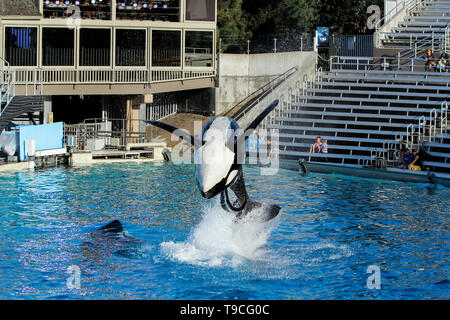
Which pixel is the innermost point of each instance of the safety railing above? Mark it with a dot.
(405, 6)
(159, 112)
(435, 41)
(106, 76)
(116, 133)
(7, 84)
(377, 63)
(289, 92)
(254, 98)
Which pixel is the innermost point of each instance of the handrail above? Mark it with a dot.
(7, 85)
(256, 96)
(367, 63)
(429, 41)
(409, 4)
(444, 117)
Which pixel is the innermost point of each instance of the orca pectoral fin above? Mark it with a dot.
(176, 131)
(254, 124)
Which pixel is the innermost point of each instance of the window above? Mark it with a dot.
(166, 48)
(201, 10)
(199, 49)
(95, 47)
(58, 47)
(155, 10)
(21, 46)
(130, 47)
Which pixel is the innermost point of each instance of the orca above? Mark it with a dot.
(219, 164)
(112, 239)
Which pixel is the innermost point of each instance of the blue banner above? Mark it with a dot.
(323, 34)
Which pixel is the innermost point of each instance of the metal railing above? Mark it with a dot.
(255, 97)
(377, 63)
(409, 5)
(117, 133)
(159, 112)
(419, 46)
(106, 76)
(290, 91)
(7, 84)
(404, 5)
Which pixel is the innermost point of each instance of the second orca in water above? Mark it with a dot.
(112, 239)
(219, 154)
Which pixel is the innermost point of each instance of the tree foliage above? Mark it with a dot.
(247, 18)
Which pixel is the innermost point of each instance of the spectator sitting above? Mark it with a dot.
(317, 146)
(407, 159)
(324, 147)
(443, 62)
(429, 60)
(416, 163)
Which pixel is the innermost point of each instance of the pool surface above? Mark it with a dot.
(330, 230)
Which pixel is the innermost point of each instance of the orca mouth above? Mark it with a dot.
(211, 193)
(214, 191)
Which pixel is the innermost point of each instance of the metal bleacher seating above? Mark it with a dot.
(365, 112)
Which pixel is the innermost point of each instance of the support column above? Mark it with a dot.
(48, 110)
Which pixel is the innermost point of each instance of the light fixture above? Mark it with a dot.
(145, 5)
(155, 5)
(134, 5)
(77, 2)
(123, 4)
(93, 1)
(165, 6)
(67, 2)
(57, 2)
(47, 2)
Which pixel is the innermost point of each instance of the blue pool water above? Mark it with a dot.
(330, 230)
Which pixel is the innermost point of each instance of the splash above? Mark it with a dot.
(220, 241)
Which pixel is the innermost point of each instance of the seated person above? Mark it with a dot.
(407, 159)
(316, 147)
(429, 60)
(416, 164)
(324, 147)
(442, 64)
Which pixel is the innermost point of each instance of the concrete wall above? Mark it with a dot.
(241, 74)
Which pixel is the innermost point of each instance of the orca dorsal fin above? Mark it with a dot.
(180, 132)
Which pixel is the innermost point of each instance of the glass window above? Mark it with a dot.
(155, 10)
(130, 47)
(199, 49)
(95, 47)
(21, 46)
(201, 10)
(166, 50)
(84, 9)
(58, 47)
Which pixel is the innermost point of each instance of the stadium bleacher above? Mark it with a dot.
(367, 113)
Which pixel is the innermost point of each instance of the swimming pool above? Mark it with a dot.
(330, 230)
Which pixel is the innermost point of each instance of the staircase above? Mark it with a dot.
(425, 21)
(12, 106)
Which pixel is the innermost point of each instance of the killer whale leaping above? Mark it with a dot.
(219, 164)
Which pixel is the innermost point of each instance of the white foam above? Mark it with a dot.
(220, 241)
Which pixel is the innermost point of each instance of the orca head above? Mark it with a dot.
(216, 160)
